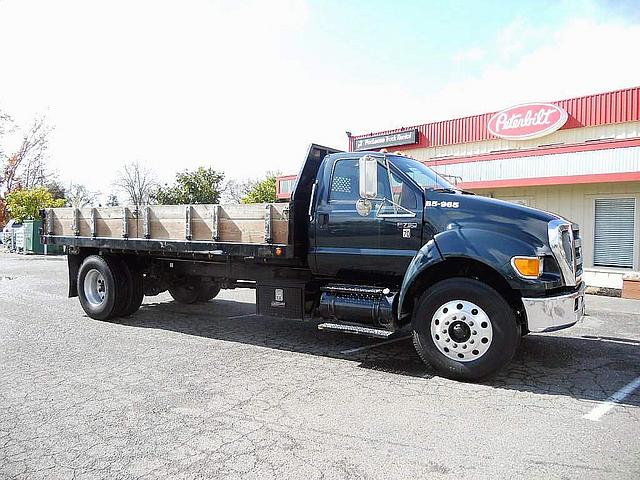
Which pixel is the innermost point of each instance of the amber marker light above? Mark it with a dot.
(278, 251)
(527, 267)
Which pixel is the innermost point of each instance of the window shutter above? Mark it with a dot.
(614, 232)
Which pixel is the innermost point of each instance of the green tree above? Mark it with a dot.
(202, 185)
(112, 200)
(262, 192)
(56, 189)
(25, 204)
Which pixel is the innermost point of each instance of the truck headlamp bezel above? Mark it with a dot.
(528, 267)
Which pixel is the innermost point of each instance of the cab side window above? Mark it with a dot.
(345, 181)
(403, 194)
(396, 190)
(345, 186)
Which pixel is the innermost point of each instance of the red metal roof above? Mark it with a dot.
(587, 111)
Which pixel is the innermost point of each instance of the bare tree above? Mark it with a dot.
(137, 182)
(5, 121)
(235, 190)
(79, 196)
(26, 168)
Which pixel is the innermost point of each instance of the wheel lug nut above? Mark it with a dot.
(454, 318)
(471, 341)
(471, 324)
(447, 339)
(444, 330)
(447, 322)
(474, 332)
(464, 347)
(455, 345)
(463, 318)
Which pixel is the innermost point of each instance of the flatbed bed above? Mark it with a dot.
(258, 230)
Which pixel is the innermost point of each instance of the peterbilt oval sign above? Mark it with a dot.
(529, 120)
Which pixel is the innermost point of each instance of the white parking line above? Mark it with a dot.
(367, 347)
(611, 402)
(242, 316)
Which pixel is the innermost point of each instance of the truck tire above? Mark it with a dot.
(208, 291)
(125, 293)
(102, 287)
(136, 289)
(186, 292)
(465, 329)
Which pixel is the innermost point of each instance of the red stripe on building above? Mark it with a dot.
(587, 111)
(560, 180)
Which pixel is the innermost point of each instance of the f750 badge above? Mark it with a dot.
(442, 204)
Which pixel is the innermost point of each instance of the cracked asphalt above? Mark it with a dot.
(188, 392)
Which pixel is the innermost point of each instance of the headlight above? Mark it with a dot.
(527, 267)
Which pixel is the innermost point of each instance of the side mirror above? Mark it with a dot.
(368, 167)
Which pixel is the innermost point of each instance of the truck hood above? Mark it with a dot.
(446, 211)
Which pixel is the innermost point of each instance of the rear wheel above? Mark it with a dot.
(208, 291)
(124, 292)
(465, 329)
(186, 292)
(136, 286)
(101, 287)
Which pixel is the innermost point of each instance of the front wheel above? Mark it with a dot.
(465, 329)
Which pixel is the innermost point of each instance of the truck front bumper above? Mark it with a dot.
(547, 314)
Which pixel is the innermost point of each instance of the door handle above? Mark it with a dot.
(323, 219)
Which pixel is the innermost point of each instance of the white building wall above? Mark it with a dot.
(615, 160)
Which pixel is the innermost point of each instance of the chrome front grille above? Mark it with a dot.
(566, 246)
(577, 248)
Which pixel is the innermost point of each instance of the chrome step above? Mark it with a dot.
(355, 329)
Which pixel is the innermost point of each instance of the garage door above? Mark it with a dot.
(614, 229)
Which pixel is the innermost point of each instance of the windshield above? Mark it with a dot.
(420, 173)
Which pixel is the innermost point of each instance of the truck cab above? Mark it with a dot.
(389, 221)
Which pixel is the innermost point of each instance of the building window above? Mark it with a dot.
(614, 232)
(286, 186)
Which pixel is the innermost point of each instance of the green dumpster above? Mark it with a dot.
(32, 242)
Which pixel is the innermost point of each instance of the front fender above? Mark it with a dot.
(492, 248)
(427, 256)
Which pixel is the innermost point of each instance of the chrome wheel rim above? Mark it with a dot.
(95, 287)
(461, 330)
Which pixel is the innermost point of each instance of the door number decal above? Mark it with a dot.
(443, 204)
(406, 233)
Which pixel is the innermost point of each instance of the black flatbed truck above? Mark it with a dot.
(372, 243)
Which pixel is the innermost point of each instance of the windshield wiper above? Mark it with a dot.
(449, 190)
(442, 189)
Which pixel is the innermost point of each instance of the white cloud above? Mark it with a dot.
(585, 56)
(181, 84)
(473, 54)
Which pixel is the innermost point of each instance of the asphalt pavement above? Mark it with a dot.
(214, 391)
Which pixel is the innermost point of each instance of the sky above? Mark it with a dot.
(246, 86)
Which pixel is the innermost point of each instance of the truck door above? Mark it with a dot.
(348, 243)
(400, 220)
